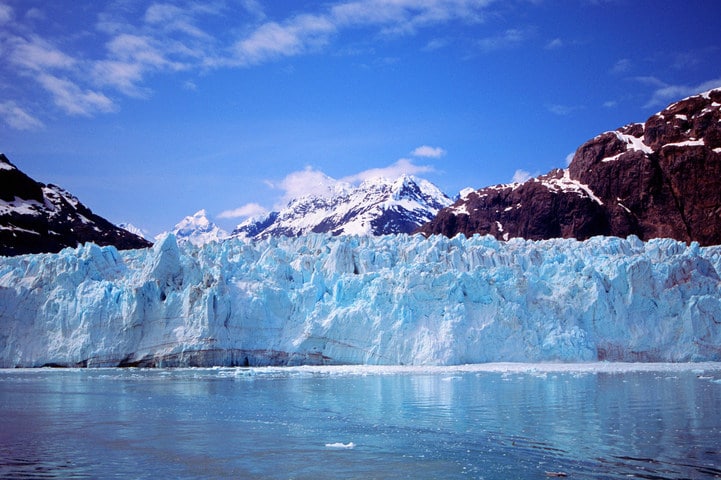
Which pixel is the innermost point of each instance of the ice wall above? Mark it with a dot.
(374, 300)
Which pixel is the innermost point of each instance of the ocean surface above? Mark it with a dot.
(495, 421)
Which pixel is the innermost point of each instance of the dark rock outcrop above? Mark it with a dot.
(661, 178)
(39, 218)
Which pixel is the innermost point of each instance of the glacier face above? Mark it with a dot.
(362, 300)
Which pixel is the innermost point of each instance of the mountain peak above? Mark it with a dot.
(377, 206)
(198, 229)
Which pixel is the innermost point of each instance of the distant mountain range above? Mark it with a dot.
(661, 178)
(377, 206)
(36, 218)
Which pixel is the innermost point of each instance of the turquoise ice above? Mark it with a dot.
(390, 300)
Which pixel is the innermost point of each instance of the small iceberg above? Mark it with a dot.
(348, 445)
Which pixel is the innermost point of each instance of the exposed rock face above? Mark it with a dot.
(661, 178)
(37, 218)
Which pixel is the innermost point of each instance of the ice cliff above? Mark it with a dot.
(375, 300)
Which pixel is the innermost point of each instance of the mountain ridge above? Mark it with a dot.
(660, 178)
(40, 218)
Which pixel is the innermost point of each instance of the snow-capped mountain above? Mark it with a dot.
(376, 207)
(198, 230)
(394, 299)
(134, 230)
(661, 178)
(37, 218)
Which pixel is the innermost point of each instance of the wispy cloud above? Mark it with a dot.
(554, 44)
(436, 44)
(403, 166)
(74, 100)
(621, 66)
(168, 37)
(310, 181)
(510, 38)
(562, 110)
(520, 176)
(400, 17)
(248, 210)
(173, 18)
(665, 93)
(6, 13)
(37, 54)
(17, 118)
(131, 57)
(272, 40)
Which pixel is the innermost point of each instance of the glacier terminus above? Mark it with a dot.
(389, 300)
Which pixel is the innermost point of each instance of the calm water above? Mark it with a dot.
(473, 422)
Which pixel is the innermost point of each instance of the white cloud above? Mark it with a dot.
(436, 44)
(35, 14)
(562, 110)
(123, 76)
(18, 118)
(520, 176)
(248, 210)
(621, 66)
(305, 32)
(73, 99)
(166, 37)
(403, 166)
(314, 182)
(427, 151)
(6, 13)
(397, 17)
(666, 93)
(569, 158)
(38, 55)
(303, 182)
(130, 58)
(554, 44)
(511, 38)
(173, 19)
(272, 40)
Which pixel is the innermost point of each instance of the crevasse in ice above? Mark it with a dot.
(362, 300)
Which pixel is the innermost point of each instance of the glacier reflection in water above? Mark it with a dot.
(485, 421)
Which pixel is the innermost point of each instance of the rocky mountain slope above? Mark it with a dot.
(375, 207)
(37, 218)
(661, 178)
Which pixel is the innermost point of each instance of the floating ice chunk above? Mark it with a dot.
(341, 445)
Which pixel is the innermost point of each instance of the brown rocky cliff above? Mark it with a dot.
(661, 178)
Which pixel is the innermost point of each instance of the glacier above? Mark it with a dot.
(388, 300)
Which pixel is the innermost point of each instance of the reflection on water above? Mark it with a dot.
(434, 423)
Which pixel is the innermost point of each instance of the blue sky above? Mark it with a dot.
(149, 111)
